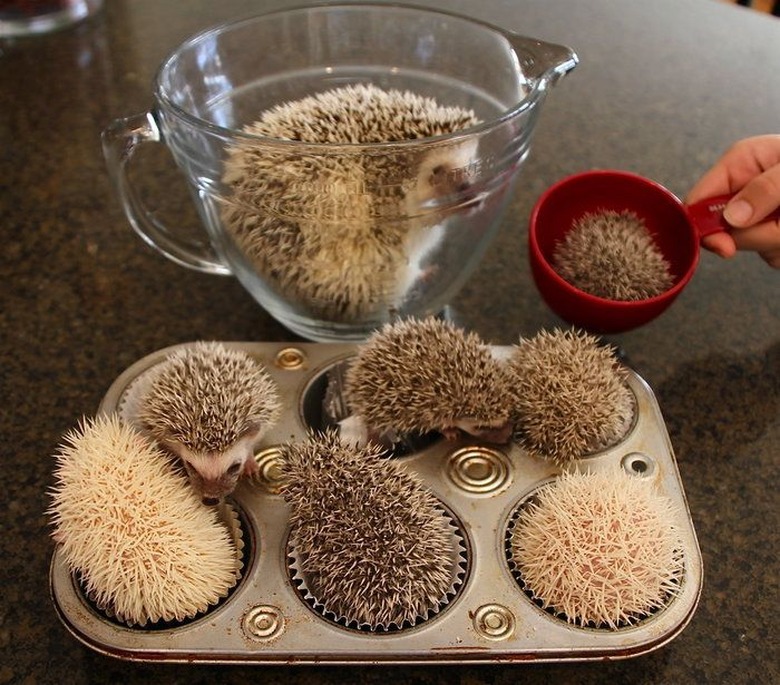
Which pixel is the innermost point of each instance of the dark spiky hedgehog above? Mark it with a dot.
(420, 375)
(210, 405)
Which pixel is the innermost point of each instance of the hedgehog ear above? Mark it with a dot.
(252, 431)
(175, 448)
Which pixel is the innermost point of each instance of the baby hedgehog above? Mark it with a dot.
(344, 232)
(420, 375)
(602, 549)
(210, 406)
(570, 395)
(143, 545)
(612, 255)
(369, 542)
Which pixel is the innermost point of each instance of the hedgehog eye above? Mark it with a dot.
(436, 174)
(233, 469)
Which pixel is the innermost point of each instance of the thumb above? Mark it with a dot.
(759, 198)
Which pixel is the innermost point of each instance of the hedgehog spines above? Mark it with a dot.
(600, 549)
(372, 544)
(298, 215)
(570, 395)
(612, 255)
(206, 397)
(144, 546)
(417, 375)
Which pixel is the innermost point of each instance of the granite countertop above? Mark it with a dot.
(662, 89)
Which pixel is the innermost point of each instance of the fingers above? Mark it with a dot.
(722, 244)
(763, 238)
(772, 257)
(756, 200)
(750, 171)
(741, 163)
(714, 182)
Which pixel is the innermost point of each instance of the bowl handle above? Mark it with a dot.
(707, 215)
(121, 140)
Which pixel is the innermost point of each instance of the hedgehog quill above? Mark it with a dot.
(612, 255)
(570, 396)
(210, 406)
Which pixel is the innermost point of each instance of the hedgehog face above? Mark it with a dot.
(214, 475)
(498, 431)
(441, 174)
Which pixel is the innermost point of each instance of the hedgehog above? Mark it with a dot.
(368, 541)
(416, 376)
(142, 544)
(570, 395)
(210, 406)
(612, 255)
(600, 549)
(344, 234)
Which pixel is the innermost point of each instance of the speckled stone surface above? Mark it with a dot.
(663, 87)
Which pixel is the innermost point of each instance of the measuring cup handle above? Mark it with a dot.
(707, 215)
(121, 140)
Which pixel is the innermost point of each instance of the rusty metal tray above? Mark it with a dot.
(491, 619)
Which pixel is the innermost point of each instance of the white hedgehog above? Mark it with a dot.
(373, 545)
(602, 549)
(210, 406)
(144, 546)
(570, 396)
(345, 234)
(416, 376)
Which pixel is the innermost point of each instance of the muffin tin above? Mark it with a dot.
(489, 618)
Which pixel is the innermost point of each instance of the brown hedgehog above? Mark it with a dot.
(612, 255)
(421, 375)
(373, 545)
(210, 406)
(570, 396)
(344, 234)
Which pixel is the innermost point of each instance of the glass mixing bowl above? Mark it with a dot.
(338, 239)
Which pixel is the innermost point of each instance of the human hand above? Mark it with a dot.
(750, 170)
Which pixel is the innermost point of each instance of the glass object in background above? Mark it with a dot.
(384, 230)
(30, 17)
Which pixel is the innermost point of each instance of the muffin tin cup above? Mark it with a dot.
(544, 603)
(229, 518)
(491, 619)
(458, 571)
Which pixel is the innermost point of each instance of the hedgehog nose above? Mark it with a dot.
(210, 501)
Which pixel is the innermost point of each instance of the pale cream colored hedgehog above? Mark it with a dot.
(612, 255)
(139, 539)
(570, 396)
(371, 544)
(210, 406)
(420, 375)
(600, 549)
(345, 234)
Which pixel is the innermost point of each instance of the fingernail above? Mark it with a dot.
(738, 212)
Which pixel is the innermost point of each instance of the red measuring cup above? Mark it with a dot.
(675, 227)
